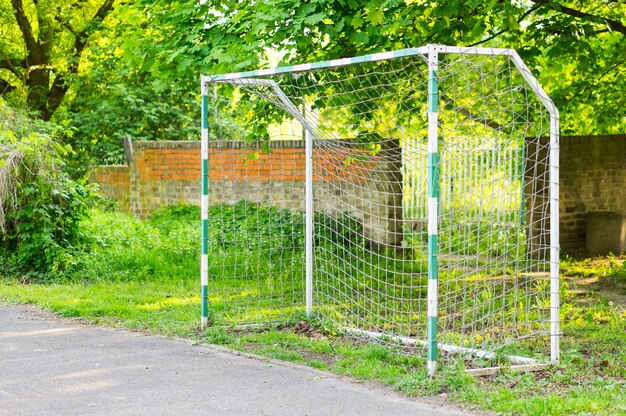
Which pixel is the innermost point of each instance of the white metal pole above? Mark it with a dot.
(554, 239)
(308, 190)
(554, 203)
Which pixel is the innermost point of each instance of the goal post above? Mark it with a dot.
(432, 207)
(407, 197)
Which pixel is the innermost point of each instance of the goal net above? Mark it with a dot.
(408, 198)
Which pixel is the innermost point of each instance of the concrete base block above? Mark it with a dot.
(606, 233)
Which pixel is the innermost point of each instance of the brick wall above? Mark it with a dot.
(114, 182)
(167, 172)
(593, 178)
(163, 173)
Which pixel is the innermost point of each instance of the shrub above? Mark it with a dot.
(247, 226)
(124, 248)
(40, 206)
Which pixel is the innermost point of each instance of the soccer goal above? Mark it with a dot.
(407, 198)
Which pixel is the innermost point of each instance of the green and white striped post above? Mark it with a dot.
(432, 206)
(204, 205)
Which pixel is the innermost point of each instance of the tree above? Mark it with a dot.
(575, 48)
(113, 96)
(111, 101)
(579, 50)
(45, 43)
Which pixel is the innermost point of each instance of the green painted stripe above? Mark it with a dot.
(432, 257)
(205, 112)
(433, 92)
(205, 235)
(432, 243)
(205, 304)
(432, 338)
(403, 53)
(282, 70)
(205, 177)
(433, 175)
(359, 60)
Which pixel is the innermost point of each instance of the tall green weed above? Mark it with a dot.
(41, 208)
(124, 248)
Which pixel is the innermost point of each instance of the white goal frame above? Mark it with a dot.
(432, 52)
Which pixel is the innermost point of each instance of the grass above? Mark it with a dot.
(143, 275)
(610, 270)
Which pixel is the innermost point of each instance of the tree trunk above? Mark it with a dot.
(38, 84)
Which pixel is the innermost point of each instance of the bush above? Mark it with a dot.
(40, 206)
(247, 226)
(124, 248)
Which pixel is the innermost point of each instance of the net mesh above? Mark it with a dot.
(369, 129)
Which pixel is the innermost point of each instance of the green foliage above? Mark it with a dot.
(473, 237)
(617, 270)
(615, 274)
(40, 207)
(574, 48)
(344, 229)
(65, 60)
(247, 227)
(42, 48)
(168, 218)
(217, 335)
(113, 101)
(126, 249)
(611, 271)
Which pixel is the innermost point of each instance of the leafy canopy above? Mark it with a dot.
(43, 45)
(576, 49)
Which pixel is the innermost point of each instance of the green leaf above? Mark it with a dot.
(314, 19)
(375, 17)
(357, 22)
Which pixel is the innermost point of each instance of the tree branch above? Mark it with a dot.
(81, 38)
(59, 85)
(611, 68)
(69, 27)
(4, 64)
(24, 25)
(5, 87)
(596, 81)
(506, 29)
(614, 25)
(11, 65)
(495, 35)
(470, 116)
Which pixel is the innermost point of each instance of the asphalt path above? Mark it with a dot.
(53, 366)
